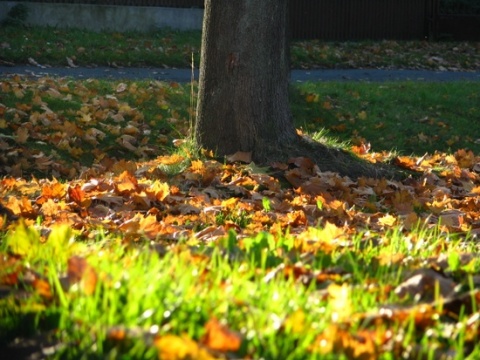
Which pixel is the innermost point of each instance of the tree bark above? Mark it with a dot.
(243, 90)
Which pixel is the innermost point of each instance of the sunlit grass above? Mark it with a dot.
(406, 117)
(143, 293)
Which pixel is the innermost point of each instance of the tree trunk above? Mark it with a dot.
(243, 91)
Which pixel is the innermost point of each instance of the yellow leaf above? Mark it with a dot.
(171, 347)
(126, 183)
(23, 239)
(362, 115)
(160, 190)
(340, 302)
(170, 159)
(296, 322)
(230, 203)
(59, 238)
(387, 220)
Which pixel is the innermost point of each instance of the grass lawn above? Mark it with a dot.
(58, 47)
(115, 243)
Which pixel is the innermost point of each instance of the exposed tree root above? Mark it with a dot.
(329, 159)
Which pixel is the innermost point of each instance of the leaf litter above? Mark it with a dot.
(172, 199)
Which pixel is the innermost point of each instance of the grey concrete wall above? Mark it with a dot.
(106, 17)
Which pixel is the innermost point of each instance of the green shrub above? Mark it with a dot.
(16, 16)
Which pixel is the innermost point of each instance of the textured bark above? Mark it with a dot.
(243, 91)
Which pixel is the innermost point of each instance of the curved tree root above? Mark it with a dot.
(329, 159)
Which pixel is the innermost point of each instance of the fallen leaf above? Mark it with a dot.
(220, 338)
(240, 156)
(425, 284)
(121, 87)
(71, 63)
(172, 347)
(34, 63)
(80, 272)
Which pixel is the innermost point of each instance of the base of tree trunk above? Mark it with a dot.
(329, 159)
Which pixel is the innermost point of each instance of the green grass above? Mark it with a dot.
(168, 48)
(144, 294)
(407, 117)
(52, 46)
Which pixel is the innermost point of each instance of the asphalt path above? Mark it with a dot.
(185, 75)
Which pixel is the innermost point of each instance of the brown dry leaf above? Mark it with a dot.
(20, 207)
(452, 219)
(51, 208)
(80, 272)
(296, 218)
(34, 63)
(240, 156)
(406, 162)
(172, 347)
(127, 142)
(150, 226)
(124, 165)
(71, 63)
(310, 98)
(54, 190)
(327, 105)
(410, 220)
(361, 149)
(126, 183)
(339, 128)
(425, 284)
(117, 333)
(361, 345)
(77, 195)
(295, 177)
(22, 135)
(219, 337)
(304, 163)
(179, 142)
(210, 232)
(10, 269)
(42, 287)
(314, 186)
(121, 87)
(465, 159)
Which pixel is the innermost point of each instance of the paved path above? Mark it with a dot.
(185, 75)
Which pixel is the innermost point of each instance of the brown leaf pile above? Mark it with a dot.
(141, 200)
